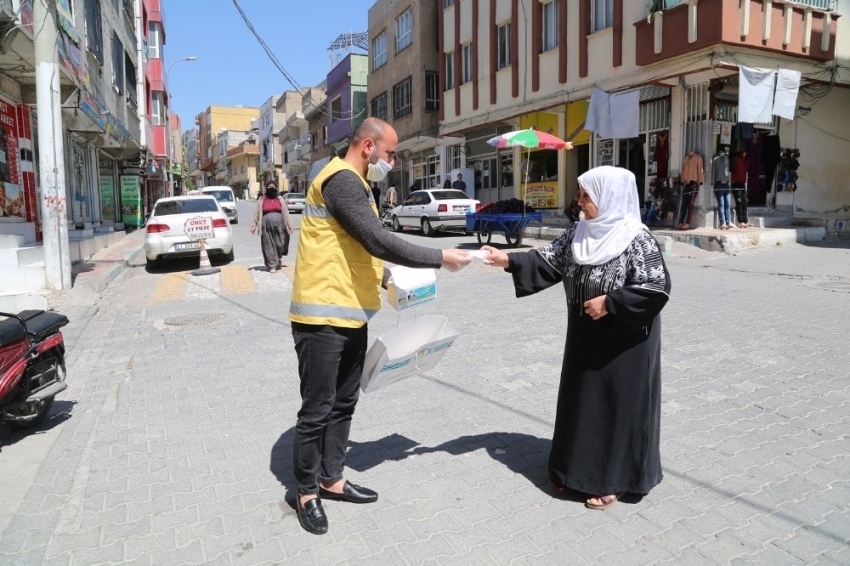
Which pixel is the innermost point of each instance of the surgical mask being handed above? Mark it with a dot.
(379, 170)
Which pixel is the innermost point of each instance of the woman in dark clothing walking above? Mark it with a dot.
(607, 424)
(271, 220)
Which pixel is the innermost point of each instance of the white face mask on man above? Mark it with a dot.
(379, 170)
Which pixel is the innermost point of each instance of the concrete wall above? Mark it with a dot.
(823, 187)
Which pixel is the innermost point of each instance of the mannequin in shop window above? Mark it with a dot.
(692, 177)
(739, 187)
(721, 177)
(662, 155)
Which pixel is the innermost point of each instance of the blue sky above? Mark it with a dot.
(232, 68)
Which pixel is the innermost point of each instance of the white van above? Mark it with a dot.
(225, 198)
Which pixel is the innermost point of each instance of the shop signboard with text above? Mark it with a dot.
(542, 194)
(11, 188)
(131, 201)
(107, 197)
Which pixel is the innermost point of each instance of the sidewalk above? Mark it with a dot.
(709, 239)
(91, 279)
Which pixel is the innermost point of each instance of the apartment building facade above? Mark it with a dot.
(243, 168)
(403, 89)
(288, 103)
(508, 65)
(210, 123)
(296, 140)
(272, 119)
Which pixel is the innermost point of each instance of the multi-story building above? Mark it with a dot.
(405, 62)
(288, 103)
(272, 119)
(345, 106)
(154, 111)
(243, 162)
(295, 139)
(210, 123)
(321, 151)
(226, 141)
(176, 155)
(97, 75)
(191, 161)
(513, 65)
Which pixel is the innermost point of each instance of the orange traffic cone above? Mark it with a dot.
(205, 267)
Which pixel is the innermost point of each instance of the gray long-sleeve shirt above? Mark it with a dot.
(720, 169)
(349, 204)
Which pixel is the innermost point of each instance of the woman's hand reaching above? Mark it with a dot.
(595, 308)
(495, 257)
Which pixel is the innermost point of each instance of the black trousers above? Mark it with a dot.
(739, 191)
(330, 362)
(687, 197)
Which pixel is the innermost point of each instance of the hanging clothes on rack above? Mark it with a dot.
(662, 154)
(754, 186)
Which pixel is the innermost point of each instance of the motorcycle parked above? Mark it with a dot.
(32, 366)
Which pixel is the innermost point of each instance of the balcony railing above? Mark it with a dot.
(798, 29)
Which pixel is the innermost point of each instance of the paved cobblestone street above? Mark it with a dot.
(172, 444)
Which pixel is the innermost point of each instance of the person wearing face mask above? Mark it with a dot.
(271, 220)
(339, 273)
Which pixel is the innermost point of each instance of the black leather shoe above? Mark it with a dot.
(351, 493)
(312, 516)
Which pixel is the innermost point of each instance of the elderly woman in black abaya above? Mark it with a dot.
(271, 220)
(607, 425)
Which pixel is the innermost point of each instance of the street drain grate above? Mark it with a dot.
(835, 286)
(195, 319)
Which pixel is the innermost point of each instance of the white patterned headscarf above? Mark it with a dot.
(614, 192)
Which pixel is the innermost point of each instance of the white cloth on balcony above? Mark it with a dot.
(625, 114)
(614, 115)
(599, 114)
(787, 89)
(755, 95)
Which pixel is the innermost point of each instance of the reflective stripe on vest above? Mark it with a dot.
(316, 211)
(331, 311)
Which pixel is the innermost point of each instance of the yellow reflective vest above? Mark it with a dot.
(337, 282)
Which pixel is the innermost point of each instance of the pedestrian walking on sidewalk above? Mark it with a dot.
(339, 272)
(607, 424)
(271, 220)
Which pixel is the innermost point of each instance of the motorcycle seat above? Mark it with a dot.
(41, 324)
(11, 331)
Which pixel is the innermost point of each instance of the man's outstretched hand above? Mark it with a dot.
(455, 260)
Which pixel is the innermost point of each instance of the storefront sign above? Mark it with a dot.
(131, 201)
(725, 133)
(107, 197)
(576, 115)
(542, 194)
(11, 189)
(199, 228)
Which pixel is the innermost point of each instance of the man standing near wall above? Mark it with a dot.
(459, 184)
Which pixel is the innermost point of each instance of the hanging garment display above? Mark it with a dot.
(770, 158)
(755, 95)
(662, 154)
(787, 89)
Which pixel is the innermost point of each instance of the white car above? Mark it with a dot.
(166, 229)
(225, 198)
(295, 201)
(433, 209)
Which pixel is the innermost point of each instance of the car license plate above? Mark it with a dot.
(189, 246)
(461, 208)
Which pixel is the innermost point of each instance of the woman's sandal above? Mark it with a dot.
(607, 501)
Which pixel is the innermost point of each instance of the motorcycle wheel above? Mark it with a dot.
(32, 414)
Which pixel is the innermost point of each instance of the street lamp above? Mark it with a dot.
(170, 175)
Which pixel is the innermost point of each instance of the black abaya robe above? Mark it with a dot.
(607, 425)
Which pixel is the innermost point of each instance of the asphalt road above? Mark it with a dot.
(172, 444)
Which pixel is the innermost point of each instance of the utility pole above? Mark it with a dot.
(51, 150)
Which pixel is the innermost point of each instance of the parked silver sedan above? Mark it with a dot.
(295, 201)
(432, 210)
